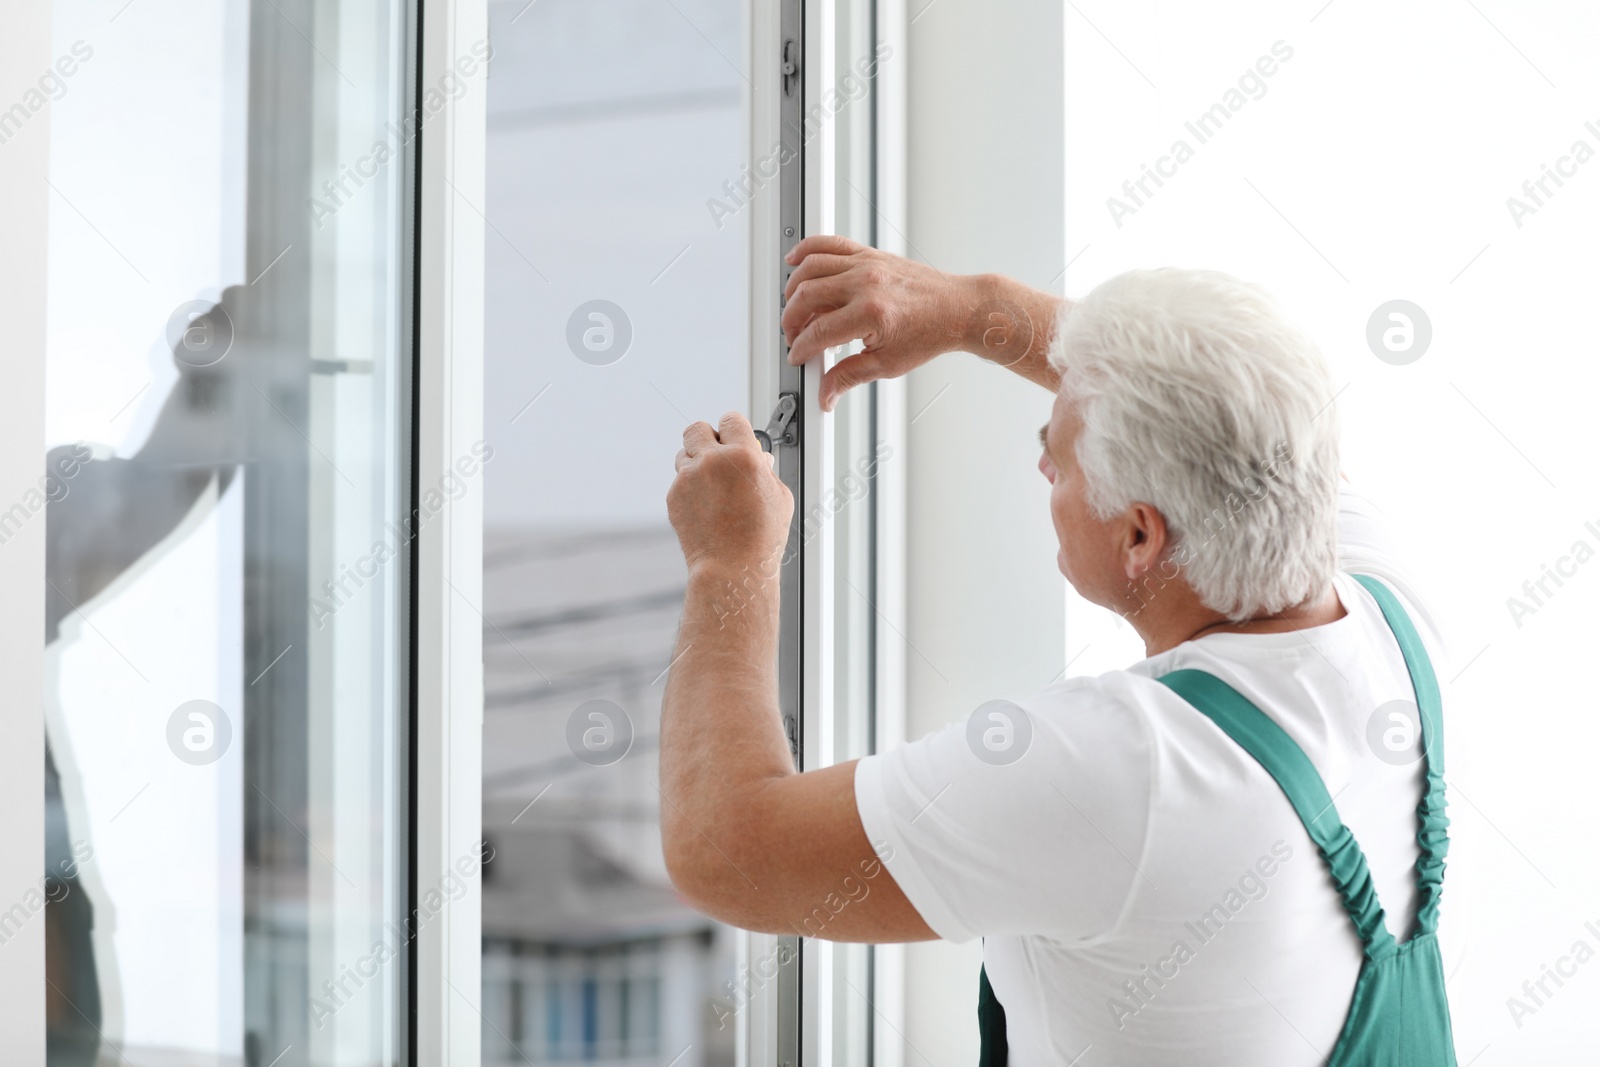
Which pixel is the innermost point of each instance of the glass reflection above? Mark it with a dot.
(228, 410)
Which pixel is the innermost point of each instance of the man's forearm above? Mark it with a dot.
(749, 840)
(1013, 325)
(721, 731)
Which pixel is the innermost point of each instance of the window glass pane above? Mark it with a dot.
(227, 607)
(617, 268)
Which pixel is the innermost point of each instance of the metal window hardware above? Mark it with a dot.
(781, 429)
(783, 1044)
(791, 66)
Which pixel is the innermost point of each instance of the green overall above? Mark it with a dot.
(1398, 1015)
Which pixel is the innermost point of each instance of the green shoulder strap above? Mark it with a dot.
(1251, 729)
(1433, 839)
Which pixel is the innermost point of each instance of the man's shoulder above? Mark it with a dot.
(1113, 690)
(1134, 689)
(1129, 704)
(1131, 709)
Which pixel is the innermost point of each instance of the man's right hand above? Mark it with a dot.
(906, 313)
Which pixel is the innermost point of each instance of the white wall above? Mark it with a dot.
(985, 603)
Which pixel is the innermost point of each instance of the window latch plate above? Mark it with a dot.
(781, 428)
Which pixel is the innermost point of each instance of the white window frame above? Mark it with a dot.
(765, 1026)
(24, 211)
(448, 596)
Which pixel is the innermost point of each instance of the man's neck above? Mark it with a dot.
(1188, 619)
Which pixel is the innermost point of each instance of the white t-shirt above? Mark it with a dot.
(1142, 886)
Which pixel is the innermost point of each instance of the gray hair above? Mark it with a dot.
(1200, 399)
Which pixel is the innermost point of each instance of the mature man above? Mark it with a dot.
(1164, 875)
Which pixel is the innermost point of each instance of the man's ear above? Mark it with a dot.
(1146, 543)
